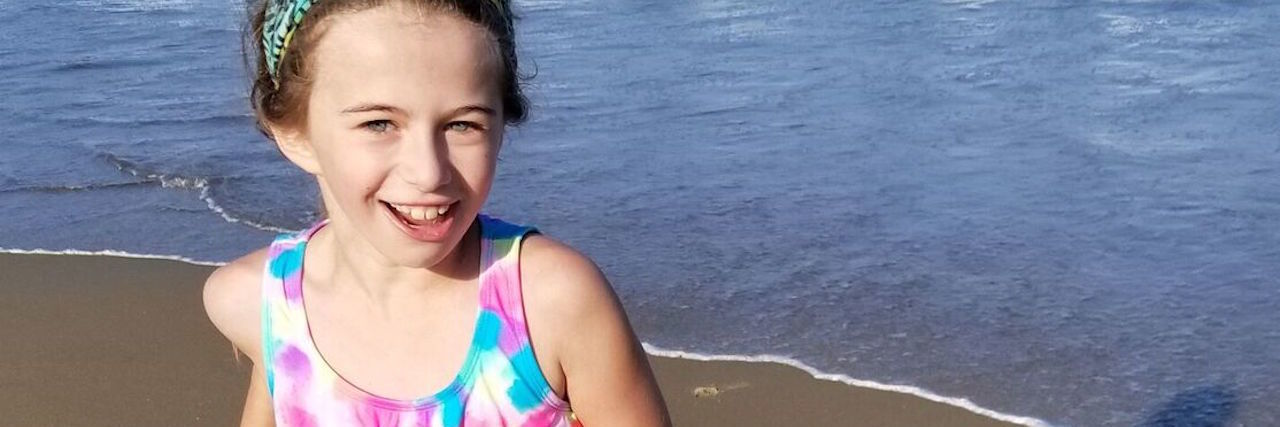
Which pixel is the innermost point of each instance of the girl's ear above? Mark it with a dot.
(297, 148)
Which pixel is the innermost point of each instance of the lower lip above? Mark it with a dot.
(434, 232)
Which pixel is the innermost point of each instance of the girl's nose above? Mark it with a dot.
(424, 162)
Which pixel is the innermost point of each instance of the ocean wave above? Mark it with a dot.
(66, 188)
(213, 206)
(166, 181)
(93, 64)
(109, 252)
(127, 6)
(845, 379)
(216, 119)
(201, 184)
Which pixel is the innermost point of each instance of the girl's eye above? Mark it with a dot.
(378, 126)
(462, 126)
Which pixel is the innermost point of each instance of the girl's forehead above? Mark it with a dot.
(397, 50)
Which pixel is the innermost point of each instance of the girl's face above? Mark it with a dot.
(404, 123)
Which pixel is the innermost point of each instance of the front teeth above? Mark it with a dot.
(422, 213)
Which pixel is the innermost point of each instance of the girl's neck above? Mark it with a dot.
(349, 264)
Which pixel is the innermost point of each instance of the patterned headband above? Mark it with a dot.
(282, 19)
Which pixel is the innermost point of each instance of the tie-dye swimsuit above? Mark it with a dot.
(500, 383)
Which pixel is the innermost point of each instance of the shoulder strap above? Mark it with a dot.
(272, 303)
(502, 294)
(281, 293)
(500, 279)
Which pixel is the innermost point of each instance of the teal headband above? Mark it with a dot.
(283, 17)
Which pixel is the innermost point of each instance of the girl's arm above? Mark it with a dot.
(257, 405)
(594, 357)
(232, 299)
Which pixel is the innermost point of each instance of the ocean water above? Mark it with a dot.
(1058, 209)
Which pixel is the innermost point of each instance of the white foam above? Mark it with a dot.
(199, 184)
(213, 206)
(969, 4)
(109, 252)
(915, 391)
(136, 5)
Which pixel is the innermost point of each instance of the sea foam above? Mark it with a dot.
(845, 379)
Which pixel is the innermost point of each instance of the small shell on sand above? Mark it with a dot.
(706, 391)
(715, 390)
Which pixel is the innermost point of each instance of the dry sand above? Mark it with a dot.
(110, 341)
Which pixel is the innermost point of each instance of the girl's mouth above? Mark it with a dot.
(428, 223)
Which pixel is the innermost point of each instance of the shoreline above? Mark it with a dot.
(655, 352)
(125, 338)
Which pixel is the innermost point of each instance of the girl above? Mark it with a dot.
(406, 307)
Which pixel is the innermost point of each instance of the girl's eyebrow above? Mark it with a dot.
(474, 108)
(364, 108)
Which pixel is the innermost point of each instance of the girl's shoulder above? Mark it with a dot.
(564, 292)
(232, 300)
(574, 315)
(555, 275)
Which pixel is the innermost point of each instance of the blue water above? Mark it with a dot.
(1060, 209)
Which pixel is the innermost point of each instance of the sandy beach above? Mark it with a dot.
(111, 341)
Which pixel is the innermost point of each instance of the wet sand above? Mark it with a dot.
(103, 340)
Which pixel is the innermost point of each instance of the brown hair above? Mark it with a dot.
(286, 104)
